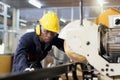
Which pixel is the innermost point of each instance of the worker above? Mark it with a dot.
(33, 47)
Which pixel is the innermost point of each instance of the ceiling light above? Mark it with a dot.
(101, 2)
(35, 3)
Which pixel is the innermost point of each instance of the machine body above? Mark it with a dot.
(84, 40)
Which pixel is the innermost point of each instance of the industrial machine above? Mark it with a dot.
(97, 45)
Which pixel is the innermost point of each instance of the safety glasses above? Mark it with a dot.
(47, 32)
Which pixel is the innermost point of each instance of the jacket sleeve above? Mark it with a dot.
(19, 60)
(59, 43)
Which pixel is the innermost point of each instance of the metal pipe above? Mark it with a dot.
(81, 12)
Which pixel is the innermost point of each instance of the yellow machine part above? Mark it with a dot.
(103, 18)
(5, 64)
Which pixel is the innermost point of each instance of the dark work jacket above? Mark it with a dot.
(30, 50)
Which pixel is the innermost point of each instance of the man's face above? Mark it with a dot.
(46, 36)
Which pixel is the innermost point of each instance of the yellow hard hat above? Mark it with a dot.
(50, 22)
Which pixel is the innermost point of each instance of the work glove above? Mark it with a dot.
(29, 69)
